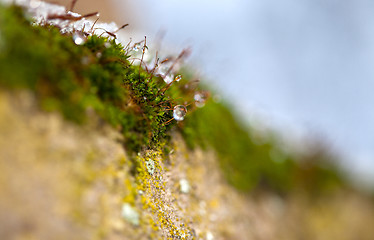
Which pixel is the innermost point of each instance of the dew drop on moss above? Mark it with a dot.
(179, 112)
(168, 78)
(107, 44)
(79, 38)
(178, 78)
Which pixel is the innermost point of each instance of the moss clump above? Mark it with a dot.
(72, 79)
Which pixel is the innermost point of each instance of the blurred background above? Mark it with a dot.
(301, 67)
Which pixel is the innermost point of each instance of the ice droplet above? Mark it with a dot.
(79, 38)
(178, 78)
(179, 112)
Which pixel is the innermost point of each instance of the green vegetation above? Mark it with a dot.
(249, 164)
(71, 78)
(98, 75)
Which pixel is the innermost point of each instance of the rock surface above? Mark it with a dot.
(64, 181)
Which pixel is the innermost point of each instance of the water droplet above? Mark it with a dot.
(79, 38)
(107, 44)
(166, 72)
(179, 112)
(200, 99)
(168, 78)
(178, 78)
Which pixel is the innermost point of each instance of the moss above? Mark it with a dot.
(71, 79)
(250, 165)
(98, 75)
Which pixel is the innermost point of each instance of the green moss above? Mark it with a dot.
(98, 75)
(71, 79)
(250, 165)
